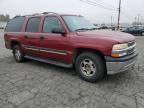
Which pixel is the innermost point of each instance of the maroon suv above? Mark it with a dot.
(70, 41)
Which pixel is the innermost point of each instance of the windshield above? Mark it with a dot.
(78, 23)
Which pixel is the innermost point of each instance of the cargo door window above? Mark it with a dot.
(15, 24)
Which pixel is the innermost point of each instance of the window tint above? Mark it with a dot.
(50, 23)
(33, 24)
(15, 24)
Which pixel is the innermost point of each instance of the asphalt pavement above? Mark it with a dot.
(38, 85)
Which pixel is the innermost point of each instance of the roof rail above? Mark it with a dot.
(49, 13)
(35, 14)
(32, 14)
(17, 16)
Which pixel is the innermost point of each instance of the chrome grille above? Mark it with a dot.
(132, 50)
(131, 43)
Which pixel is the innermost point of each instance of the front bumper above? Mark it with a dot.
(117, 65)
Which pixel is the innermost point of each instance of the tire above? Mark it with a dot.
(142, 33)
(18, 54)
(90, 67)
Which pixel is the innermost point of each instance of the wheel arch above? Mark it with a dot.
(78, 51)
(13, 43)
(81, 50)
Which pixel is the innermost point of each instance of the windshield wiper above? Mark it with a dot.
(81, 29)
(94, 29)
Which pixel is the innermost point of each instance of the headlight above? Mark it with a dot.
(120, 46)
(117, 50)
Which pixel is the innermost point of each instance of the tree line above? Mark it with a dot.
(4, 18)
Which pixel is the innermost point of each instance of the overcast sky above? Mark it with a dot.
(130, 8)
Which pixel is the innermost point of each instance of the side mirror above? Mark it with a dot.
(58, 30)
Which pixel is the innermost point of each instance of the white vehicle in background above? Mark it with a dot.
(2, 25)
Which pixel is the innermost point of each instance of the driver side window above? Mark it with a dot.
(50, 23)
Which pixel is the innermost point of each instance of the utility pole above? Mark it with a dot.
(119, 12)
(135, 19)
(111, 21)
(138, 17)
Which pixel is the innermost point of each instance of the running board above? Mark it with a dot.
(50, 61)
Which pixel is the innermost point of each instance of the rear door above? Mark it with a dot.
(32, 36)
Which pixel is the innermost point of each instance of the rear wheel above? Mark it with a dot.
(18, 54)
(90, 66)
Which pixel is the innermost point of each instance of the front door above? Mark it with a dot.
(54, 46)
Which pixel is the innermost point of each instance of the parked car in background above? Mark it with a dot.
(96, 26)
(103, 27)
(136, 30)
(123, 28)
(70, 41)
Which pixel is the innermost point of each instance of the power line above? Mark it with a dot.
(101, 5)
(126, 15)
(96, 4)
(99, 1)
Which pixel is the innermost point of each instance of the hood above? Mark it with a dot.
(108, 35)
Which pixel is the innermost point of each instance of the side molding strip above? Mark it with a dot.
(55, 52)
(48, 50)
(34, 49)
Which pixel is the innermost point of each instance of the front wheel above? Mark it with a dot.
(90, 66)
(18, 54)
(142, 33)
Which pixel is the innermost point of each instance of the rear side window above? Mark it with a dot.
(15, 24)
(33, 24)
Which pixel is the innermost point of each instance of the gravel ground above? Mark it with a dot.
(38, 85)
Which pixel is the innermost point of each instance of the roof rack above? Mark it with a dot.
(49, 13)
(17, 16)
(35, 14)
